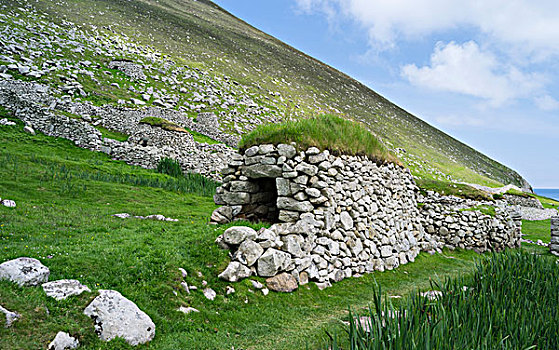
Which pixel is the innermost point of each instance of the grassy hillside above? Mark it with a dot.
(287, 82)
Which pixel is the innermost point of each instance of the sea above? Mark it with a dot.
(552, 193)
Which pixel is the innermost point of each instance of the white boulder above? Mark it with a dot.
(24, 271)
(63, 341)
(63, 289)
(115, 316)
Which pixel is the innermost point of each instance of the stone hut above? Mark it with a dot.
(335, 217)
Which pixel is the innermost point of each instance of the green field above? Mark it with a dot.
(64, 220)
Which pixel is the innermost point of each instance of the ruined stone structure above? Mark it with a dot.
(554, 245)
(338, 216)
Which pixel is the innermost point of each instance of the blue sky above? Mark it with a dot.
(486, 72)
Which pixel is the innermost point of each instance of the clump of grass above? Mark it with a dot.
(484, 209)
(162, 123)
(451, 189)
(170, 167)
(509, 303)
(110, 134)
(338, 135)
(514, 192)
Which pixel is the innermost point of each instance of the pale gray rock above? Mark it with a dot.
(8, 203)
(258, 171)
(11, 316)
(63, 341)
(287, 151)
(187, 310)
(291, 204)
(248, 252)
(117, 317)
(209, 293)
(283, 282)
(346, 220)
(222, 215)
(63, 289)
(235, 271)
(273, 261)
(237, 234)
(24, 271)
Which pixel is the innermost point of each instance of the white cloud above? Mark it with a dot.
(528, 26)
(468, 70)
(546, 103)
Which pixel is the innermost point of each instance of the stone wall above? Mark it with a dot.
(530, 202)
(37, 107)
(339, 216)
(455, 223)
(554, 245)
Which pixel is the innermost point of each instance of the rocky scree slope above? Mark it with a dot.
(192, 56)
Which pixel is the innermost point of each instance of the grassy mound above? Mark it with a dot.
(450, 189)
(509, 303)
(163, 124)
(339, 136)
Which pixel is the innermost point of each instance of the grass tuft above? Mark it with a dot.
(451, 189)
(170, 167)
(338, 135)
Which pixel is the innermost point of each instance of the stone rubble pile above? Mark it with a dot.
(340, 216)
(522, 201)
(529, 213)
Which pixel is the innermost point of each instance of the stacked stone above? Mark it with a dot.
(341, 216)
(554, 245)
(446, 220)
(529, 202)
(133, 70)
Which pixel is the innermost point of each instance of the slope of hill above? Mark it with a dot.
(224, 65)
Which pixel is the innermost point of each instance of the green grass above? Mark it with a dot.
(339, 136)
(162, 123)
(510, 302)
(64, 219)
(451, 189)
(535, 230)
(484, 209)
(111, 134)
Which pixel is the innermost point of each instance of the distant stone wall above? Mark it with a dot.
(554, 245)
(530, 202)
(340, 216)
(455, 223)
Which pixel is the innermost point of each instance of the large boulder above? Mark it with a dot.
(115, 316)
(63, 341)
(63, 289)
(284, 282)
(24, 271)
(237, 234)
(273, 261)
(235, 271)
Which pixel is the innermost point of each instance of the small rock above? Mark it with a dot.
(29, 130)
(24, 271)
(209, 293)
(62, 289)
(265, 291)
(235, 271)
(11, 316)
(237, 234)
(256, 284)
(63, 341)
(184, 285)
(283, 282)
(229, 290)
(187, 310)
(9, 203)
(432, 294)
(183, 272)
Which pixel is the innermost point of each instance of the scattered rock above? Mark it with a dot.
(8, 203)
(11, 316)
(115, 316)
(283, 282)
(229, 290)
(187, 310)
(63, 341)
(432, 294)
(209, 293)
(62, 289)
(24, 271)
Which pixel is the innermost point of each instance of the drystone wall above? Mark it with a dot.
(35, 105)
(529, 202)
(554, 245)
(455, 223)
(337, 216)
